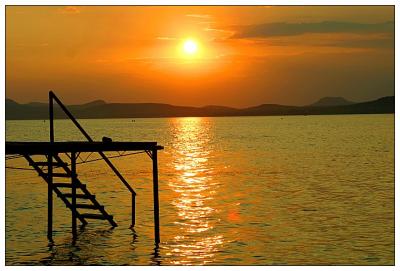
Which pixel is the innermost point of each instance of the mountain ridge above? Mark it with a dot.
(101, 109)
(332, 101)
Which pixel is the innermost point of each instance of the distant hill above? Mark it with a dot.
(331, 101)
(101, 109)
(96, 102)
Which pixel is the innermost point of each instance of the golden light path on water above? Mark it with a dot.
(195, 189)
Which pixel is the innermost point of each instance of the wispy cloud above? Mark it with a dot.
(343, 40)
(34, 45)
(210, 29)
(149, 58)
(292, 29)
(69, 10)
(166, 38)
(200, 16)
(219, 34)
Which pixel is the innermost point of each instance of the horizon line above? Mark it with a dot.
(201, 106)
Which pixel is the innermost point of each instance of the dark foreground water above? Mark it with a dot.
(298, 190)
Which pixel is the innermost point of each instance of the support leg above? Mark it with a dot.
(50, 176)
(73, 192)
(155, 196)
(50, 197)
(133, 210)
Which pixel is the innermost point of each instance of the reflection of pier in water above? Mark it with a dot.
(195, 189)
(86, 250)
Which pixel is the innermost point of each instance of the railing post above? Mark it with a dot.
(73, 192)
(51, 117)
(155, 197)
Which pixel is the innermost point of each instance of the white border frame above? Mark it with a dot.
(191, 2)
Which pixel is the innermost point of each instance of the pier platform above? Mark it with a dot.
(32, 148)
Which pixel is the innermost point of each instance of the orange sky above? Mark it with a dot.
(247, 55)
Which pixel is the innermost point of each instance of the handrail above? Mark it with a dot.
(52, 97)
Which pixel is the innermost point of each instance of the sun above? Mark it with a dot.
(190, 47)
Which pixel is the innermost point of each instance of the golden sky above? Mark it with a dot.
(244, 56)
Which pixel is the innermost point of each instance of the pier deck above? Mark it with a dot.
(31, 148)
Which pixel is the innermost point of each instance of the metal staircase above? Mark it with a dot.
(64, 191)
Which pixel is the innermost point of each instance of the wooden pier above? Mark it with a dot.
(72, 189)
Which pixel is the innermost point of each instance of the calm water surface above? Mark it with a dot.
(298, 190)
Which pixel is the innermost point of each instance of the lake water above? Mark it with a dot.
(292, 190)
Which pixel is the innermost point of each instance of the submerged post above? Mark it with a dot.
(50, 196)
(50, 175)
(73, 192)
(133, 210)
(155, 196)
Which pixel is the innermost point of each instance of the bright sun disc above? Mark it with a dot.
(190, 47)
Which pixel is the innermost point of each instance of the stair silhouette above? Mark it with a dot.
(84, 193)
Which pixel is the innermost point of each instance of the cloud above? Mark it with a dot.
(166, 38)
(200, 16)
(70, 10)
(343, 40)
(372, 42)
(36, 45)
(224, 32)
(218, 30)
(293, 29)
(219, 34)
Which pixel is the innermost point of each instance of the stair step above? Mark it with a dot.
(96, 216)
(89, 206)
(59, 175)
(55, 164)
(68, 185)
(79, 196)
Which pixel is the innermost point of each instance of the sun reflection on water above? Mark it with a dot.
(195, 189)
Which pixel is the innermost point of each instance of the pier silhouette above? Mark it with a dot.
(52, 167)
